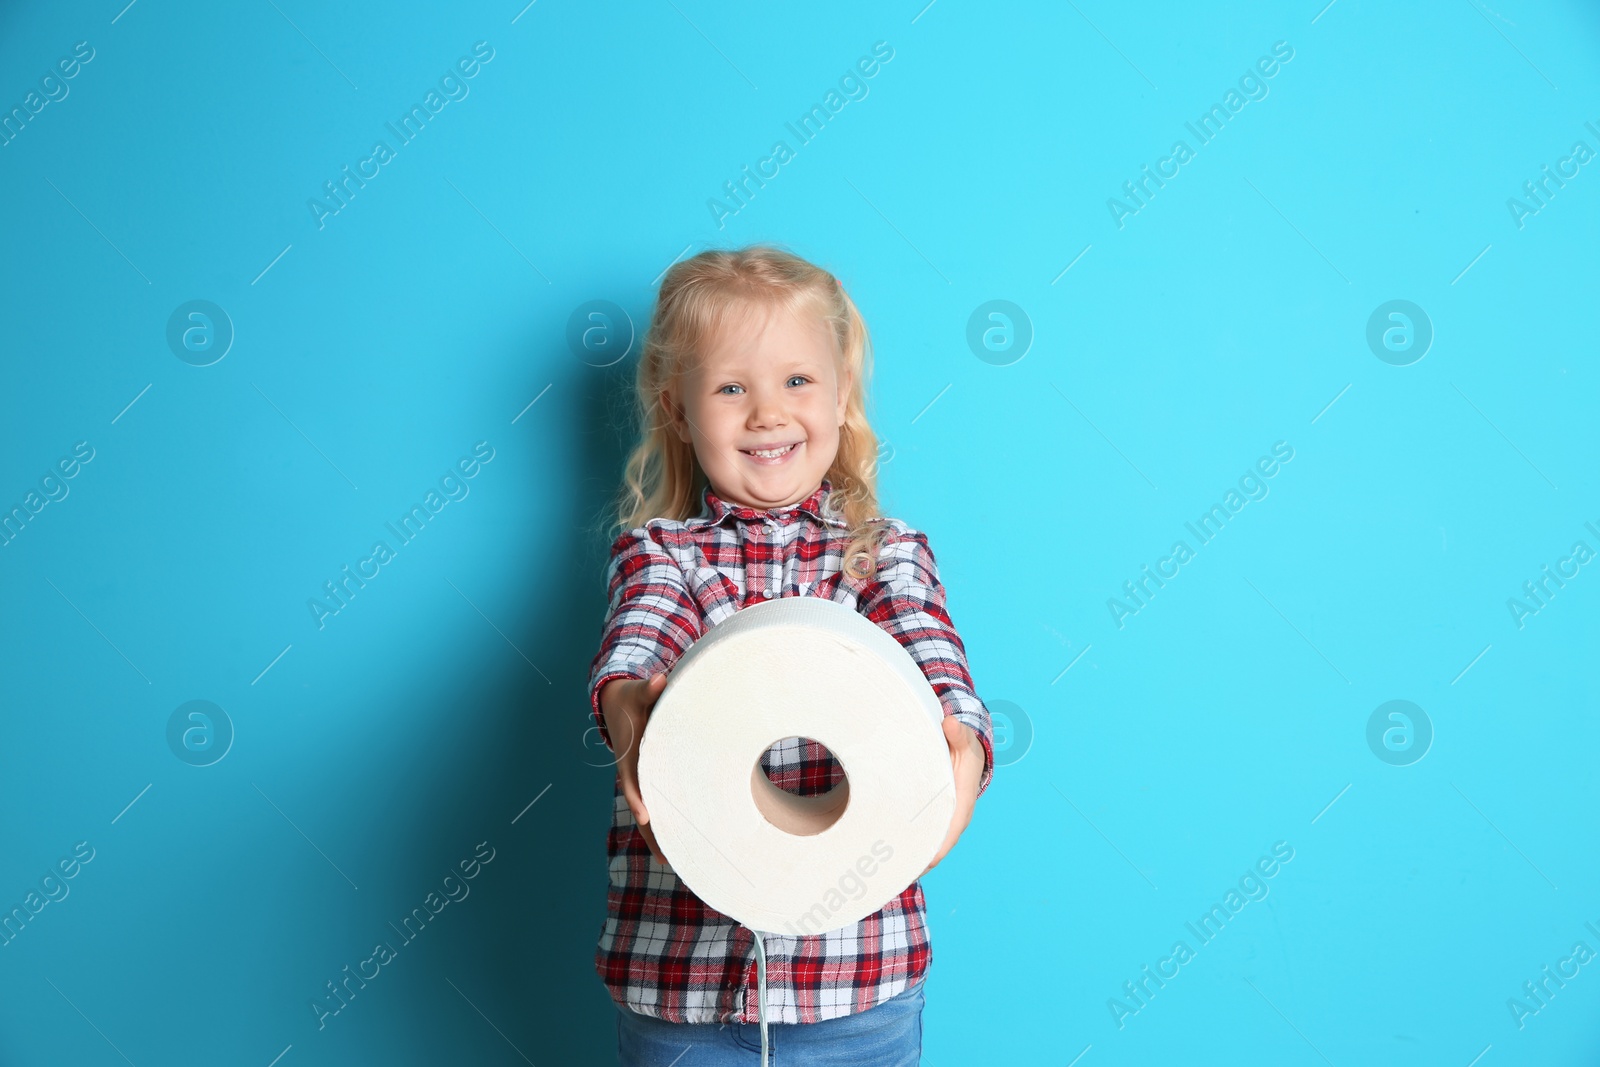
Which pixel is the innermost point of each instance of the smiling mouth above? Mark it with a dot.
(772, 455)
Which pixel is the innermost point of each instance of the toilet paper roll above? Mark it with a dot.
(797, 667)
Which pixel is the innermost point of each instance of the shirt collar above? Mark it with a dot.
(715, 510)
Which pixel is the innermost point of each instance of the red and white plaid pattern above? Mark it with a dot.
(662, 951)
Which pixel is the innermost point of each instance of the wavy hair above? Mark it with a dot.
(698, 296)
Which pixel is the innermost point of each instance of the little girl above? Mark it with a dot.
(756, 477)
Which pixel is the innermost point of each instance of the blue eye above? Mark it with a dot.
(730, 386)
(802, 378)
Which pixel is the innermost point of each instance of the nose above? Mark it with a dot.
(767, 409)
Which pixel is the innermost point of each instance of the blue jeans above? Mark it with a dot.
(885, 1035)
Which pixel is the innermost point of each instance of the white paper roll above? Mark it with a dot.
(797, 667)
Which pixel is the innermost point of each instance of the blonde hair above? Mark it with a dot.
(662, 478)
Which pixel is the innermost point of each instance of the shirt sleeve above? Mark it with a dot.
(651, 621)
(906, 598)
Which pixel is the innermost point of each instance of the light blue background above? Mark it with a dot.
(1228, 314)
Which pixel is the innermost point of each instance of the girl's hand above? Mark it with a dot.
(966, 760)
(625, 704)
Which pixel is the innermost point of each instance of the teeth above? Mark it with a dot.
(769, 453)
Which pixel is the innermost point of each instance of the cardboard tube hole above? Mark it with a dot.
(792, 813)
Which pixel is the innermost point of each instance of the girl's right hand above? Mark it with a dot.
(625, 704)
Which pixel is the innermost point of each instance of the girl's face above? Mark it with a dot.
(769, 383)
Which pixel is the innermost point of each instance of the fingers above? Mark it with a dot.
(652, 689)
(951, 836)
(626, 706)
(632, 695)
(649, 690)
(961, 738)
(649, 836)
(628, 779)
(944, 850)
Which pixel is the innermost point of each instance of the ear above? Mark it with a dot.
(674, 416)
(846, 383)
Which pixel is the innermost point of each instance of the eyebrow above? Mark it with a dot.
(788, 366)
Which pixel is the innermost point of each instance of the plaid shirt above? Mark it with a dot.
(663, 952)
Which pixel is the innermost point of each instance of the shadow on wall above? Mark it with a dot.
(540, 941)
(522, 949)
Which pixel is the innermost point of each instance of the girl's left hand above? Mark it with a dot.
(966, 760)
